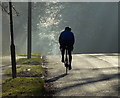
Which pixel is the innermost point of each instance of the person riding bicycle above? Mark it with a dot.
(66, 38)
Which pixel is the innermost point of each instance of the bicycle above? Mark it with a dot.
(66, 60)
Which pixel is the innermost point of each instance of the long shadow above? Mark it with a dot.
(101, 53)
(55, 78)
(109, 54)
(10, 75)
(106, 68)
(91, 80)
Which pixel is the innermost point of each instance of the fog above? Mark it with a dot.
(95, 26)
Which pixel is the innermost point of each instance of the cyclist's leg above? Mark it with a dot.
(70, 58)
(70, 49)
(62, 53)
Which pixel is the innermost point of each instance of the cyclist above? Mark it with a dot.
(66, 38)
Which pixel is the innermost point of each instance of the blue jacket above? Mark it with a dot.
(66, 35)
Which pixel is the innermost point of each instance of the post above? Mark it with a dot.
(12, 46)
(29, 32)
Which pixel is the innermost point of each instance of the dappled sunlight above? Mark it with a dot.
(93, 31)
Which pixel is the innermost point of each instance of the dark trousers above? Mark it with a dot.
(69, 53)
(69, 45)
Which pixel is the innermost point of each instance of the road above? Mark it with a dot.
(92, 75)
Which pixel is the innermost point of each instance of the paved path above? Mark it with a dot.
(92, 75)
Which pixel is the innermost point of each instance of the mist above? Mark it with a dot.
(95, 26)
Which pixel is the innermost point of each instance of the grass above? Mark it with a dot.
(32, 61)
(28, 81)
(27, 71)
(22, 86)
(33, 54)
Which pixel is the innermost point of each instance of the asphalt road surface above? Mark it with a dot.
(91, 75)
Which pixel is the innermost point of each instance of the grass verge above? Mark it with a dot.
(28, 81)
(27, 71)
(22, 86)
(32, 61)
(33, 54)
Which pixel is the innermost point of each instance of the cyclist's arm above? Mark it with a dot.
(60, 38)
(73, 39)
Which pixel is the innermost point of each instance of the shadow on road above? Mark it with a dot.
(91, 80)
(93, 69)
(108, 54)
(22, 75)
(56, 78)
(101, 54)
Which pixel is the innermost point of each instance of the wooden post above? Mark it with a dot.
(12, 46)
(29, 44)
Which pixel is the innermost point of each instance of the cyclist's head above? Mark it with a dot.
(67, 29)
